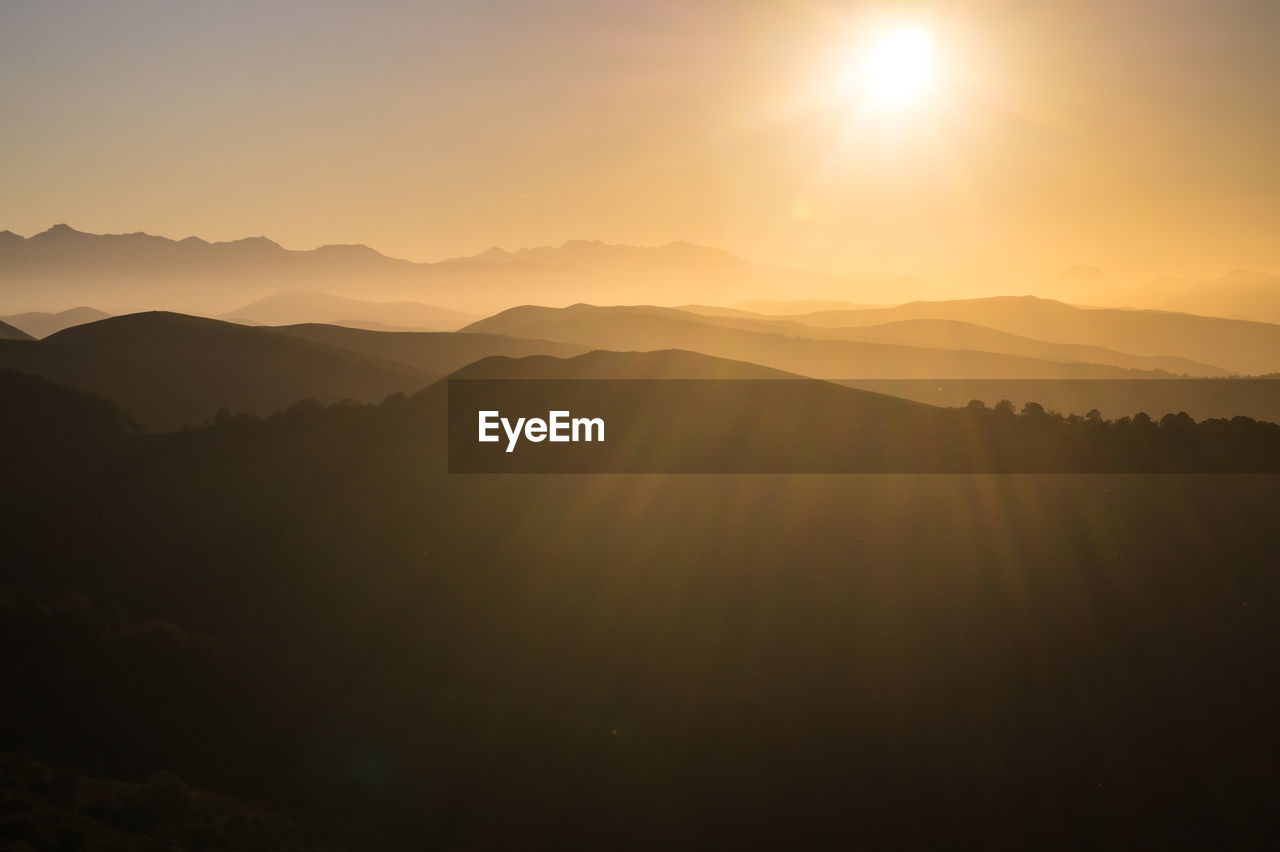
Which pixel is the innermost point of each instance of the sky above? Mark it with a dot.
(1135, 135)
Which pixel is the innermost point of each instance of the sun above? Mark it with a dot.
(898, 67)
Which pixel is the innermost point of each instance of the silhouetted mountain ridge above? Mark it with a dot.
(170, 370)
(125, 271)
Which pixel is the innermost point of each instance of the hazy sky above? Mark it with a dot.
(1138, 135)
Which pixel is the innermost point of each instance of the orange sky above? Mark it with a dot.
(1135, 136)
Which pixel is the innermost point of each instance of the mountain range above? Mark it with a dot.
(129, 272)
(1240, 346)
(812, 350)
(172, 370)
(120, 273)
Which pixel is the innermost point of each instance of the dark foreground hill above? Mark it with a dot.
(305, 611)
(50, 807)
(170, 370)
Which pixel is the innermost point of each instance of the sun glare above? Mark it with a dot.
(898, 66)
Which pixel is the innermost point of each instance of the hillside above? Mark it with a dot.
(8, 332)
(1240, 294)
(644, 328)
(1237, 345)
(308, 307)
(170, 370)
(305, 612)
(40, 324)
(953, 334)
(603, 364)
(435, 352)
(787, 307)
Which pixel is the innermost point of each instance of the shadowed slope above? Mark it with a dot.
(648, 662)
(171, 370)
(601, 364)
(8, 332)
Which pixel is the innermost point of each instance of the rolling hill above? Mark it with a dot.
(40, 324)
(630, 659)
(170, 370)
(1240, 294)
(647, 328)
(9, 332)
(309, 307)
(787, 307)
(603, 364)
(1238, 345)
(435, 352)
(954, 334)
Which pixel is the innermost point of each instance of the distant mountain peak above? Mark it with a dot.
(253, 243)
(494, 253)
(348, 250)
(62, 229)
